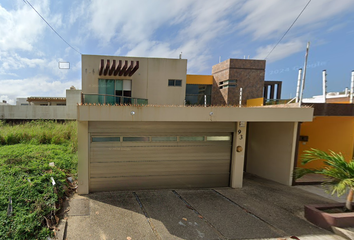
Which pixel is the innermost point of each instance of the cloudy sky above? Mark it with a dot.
(203, 30)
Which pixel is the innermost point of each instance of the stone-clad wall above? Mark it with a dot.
(249, 75)
(219, 97)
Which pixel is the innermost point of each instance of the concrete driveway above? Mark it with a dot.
(260, 210)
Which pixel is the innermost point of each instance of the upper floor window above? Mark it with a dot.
(174, 83)
(112, 88)
(196, 94)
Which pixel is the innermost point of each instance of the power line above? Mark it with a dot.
(288, 29)
(27, 2)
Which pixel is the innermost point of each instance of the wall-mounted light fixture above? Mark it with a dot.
(211, 113)
(132, 113)
(239, 149)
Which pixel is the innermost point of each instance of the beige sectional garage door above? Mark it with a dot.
(150, 155)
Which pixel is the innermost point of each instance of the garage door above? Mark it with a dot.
(128, 156)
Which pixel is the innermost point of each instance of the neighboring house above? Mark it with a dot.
(136, 129)
(56, 108)
(47, 101)
(331, 97)
(3, 103)
(21, 102)
(331, 129)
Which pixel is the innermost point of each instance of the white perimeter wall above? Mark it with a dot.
(37, 112)
(68, 112)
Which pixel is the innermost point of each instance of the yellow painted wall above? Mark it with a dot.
(254, 102)
(200, 79)
(343, 102)
(327, 133)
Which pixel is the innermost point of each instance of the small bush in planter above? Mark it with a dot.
(339, 172)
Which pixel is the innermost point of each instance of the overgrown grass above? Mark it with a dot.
(25, 175)
(40, 132)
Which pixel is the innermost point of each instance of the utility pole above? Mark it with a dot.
(298, 86)
(304, 74)
(324, 85)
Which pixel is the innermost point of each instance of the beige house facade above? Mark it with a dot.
(161, 81)
(146, 138)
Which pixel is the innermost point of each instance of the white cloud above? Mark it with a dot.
(77, 12)
(283, 50)
(132, 21)
(55, 20)
(35, 86)
(21, 28)
(11, 61)
(270, 19)
(189, 27)
(77, 66)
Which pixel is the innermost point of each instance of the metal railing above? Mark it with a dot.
(276, 101)
(198, 99)
(89, 98)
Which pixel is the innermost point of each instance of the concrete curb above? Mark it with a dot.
(61, 232)
(347, 233)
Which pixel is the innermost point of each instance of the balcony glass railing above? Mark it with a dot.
(198, 99)
(276, 101)
(112, 99)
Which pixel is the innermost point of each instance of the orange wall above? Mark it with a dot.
(200, 79)
(327, 133)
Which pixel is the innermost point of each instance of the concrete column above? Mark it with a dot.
(238, 155)
(83, 165)
(294, 150)
(272, 90)
(265, 93)
(279, 91)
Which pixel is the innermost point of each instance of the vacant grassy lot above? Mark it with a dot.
(26, 177)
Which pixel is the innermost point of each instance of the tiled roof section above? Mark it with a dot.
(119, 68)
(46, 99)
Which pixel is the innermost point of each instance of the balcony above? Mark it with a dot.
(112, 99)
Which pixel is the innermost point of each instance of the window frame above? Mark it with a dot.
(174, 83)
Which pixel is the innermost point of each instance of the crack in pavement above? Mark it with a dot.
(188, 205)
(147, 216)
(277, 230)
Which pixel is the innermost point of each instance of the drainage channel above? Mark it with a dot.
(188, 205)
(279, 231)
(147, 216)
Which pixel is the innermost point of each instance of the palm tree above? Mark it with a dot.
(339, 172)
